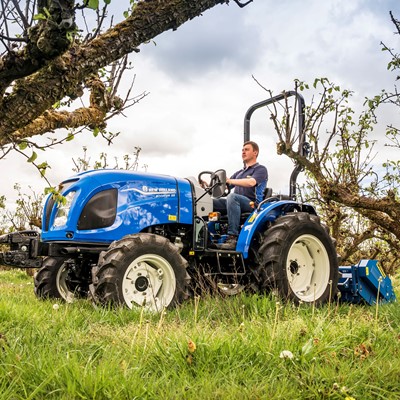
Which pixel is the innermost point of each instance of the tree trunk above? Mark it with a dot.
(61, 77)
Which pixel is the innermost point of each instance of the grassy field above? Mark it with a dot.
(244, 347)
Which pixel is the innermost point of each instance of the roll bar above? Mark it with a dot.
(301, 126)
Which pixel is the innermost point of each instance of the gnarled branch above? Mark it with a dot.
(64, 74)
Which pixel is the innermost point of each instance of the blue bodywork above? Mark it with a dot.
(269, 211)
(365, 282)
(257, 221)
(120, 203)
(102, 206)
(143, 200)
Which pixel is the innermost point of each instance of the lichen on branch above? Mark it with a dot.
(32, 96)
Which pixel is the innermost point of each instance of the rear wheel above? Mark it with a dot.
(141, 270)
(56, 279)
(298, 259)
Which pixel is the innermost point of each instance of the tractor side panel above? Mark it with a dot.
(143, 200)
(186, 206)
(146, 203)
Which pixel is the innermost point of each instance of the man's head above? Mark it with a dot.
(250, 152)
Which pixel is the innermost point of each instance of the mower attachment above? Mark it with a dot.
(365, 282)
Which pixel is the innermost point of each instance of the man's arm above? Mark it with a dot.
(259, 175)
(243, 182)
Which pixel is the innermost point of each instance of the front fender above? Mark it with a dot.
(269, 212)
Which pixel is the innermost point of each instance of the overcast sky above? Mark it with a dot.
(200, 83)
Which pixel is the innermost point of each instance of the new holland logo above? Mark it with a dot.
(156, 191)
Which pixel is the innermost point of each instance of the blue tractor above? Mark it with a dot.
(141, 239)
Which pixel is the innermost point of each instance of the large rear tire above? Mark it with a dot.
(141, 270)
(57, 280)
(299, 260)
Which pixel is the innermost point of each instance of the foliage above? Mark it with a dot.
(130, 162)
(357, 196)
(243, 347)
(61, 66)
(37, 42)
(358, 201)
(28, 212)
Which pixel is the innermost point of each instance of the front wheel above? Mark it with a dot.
(299, 259)
(141, 270)
(58, 279)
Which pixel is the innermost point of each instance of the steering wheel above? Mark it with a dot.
(204, 184)
(217, 183)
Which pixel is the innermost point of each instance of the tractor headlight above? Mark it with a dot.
(63, 210)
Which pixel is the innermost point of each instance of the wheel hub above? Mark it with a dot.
(141, 283)
(294, 267)
(148, 282)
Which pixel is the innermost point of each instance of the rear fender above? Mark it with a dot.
(259, 219)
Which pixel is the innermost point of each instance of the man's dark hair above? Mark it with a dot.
(254, 145)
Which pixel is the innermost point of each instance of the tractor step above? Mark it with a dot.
(365, 283)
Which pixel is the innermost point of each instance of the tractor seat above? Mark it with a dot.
(267, 193)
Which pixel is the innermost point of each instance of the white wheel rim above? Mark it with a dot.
(230, 289)
(62, 287)
(308, 268)
(149, 281)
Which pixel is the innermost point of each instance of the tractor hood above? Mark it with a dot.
(102, 205)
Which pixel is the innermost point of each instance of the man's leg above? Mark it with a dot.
(236, 204)
(219, 205)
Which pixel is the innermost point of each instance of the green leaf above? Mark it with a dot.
(23, 145)
(49, 190)
(107, 1)
(307, 347)
(93, 4)
(96, 131)
(39, 16)
(32, 158)
(43, 167)
(70, 36)
(70, 137)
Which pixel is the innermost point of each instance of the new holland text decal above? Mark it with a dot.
(157, 191)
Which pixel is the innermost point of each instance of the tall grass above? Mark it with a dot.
(243, 347)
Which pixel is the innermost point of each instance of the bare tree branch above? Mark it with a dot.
(61, 76)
